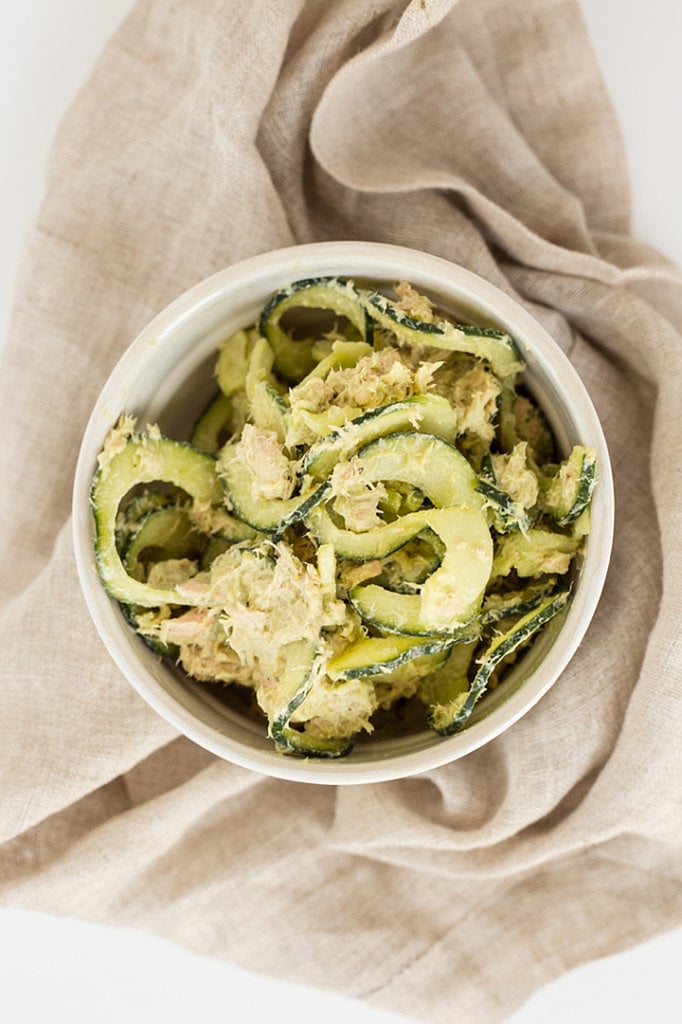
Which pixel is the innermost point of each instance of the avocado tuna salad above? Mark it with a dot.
(369, 514)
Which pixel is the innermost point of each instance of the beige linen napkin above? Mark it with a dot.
(212, 130)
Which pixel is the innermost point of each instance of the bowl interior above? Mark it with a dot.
(165, 377)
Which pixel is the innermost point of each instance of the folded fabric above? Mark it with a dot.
(480, 131)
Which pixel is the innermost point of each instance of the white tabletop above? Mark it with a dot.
(67, 972)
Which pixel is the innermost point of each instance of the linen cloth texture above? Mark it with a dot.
(212, 130)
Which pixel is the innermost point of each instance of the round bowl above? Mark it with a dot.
(165, 377)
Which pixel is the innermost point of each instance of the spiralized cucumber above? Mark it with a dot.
(352, 525)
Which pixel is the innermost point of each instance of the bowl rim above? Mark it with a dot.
(371, 259)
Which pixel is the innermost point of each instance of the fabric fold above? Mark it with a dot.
(516, 198)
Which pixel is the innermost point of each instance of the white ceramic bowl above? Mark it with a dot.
(165, 377)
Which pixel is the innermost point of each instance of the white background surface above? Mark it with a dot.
(63, 971)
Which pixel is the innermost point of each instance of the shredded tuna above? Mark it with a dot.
(356, 499)
(375, 380)
(171, 572)
(255, 590)
(204, 650)
(474, 399)
(210, 519)
(515, 477)
(337, 709)
(273, 473)
(414, 304)
(116, 439)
